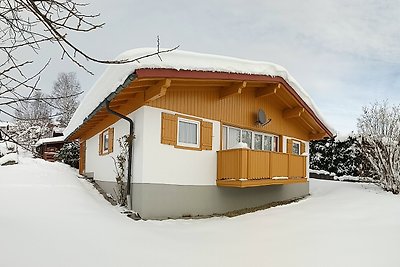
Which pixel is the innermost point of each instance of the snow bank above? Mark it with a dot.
(49, 217)
(349, 178)
(7, 147)
(115, 75)
(322, 172)
(12, 157)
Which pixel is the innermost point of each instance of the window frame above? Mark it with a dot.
(297, 143)
(110, 142)
(198, 133)
(105, 136)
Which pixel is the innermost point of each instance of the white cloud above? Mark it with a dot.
(345, 53)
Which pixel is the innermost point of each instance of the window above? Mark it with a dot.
(296, 148)
(268, 142)
(231, 136)
(258, 138)
(106, 141)
(247, 138)
(188, 133)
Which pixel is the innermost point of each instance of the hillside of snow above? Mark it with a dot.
(49, 217)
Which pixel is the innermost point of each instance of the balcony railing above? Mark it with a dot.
(248, 168)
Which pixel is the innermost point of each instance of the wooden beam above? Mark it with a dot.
(259, 182)
(293, 112)
(157, 91)
(232, 90)
(200, 83)
(317, 136)
(269, 89)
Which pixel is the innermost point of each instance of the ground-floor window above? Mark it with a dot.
(231, 136)
(106, 141)
(188, 133)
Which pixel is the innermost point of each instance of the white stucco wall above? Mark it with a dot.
(154, 162)
(166, 164)
(103, 165)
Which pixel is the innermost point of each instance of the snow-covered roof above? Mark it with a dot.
(50, 140)
(115, 75)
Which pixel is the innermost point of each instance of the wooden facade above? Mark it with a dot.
(227, 100)
(232, 100)
(241, 166)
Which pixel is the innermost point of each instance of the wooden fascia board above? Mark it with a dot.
(157, 91)
(293, 112)
(232, 90)
(269, 89)
(317, 136)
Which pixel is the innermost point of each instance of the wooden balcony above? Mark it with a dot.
(250, 168)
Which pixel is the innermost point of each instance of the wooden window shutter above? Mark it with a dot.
(110, 140)
(302, 148)
(168, 128)
(206, 135)
(101, 143)
(289, 146)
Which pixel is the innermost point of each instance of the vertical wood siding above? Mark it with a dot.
(252, 165)
(240, 109)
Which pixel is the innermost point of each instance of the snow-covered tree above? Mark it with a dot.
(69, 154)
(66, 90)
(340, 156)
(34, 121)
(322, 154)
(379, 126)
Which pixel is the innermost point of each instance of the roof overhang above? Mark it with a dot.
(142, 77)
(190, 74)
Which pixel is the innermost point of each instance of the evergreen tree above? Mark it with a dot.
(342, 157)
(69, 154)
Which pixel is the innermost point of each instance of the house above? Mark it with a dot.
(48, 147)
(212, 134)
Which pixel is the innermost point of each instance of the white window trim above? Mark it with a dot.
(297, 143)
(197, 145)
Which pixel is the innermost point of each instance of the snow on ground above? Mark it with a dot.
(49, 217)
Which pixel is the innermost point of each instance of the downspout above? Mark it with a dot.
(130, 150)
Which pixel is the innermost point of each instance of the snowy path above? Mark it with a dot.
(50, 218)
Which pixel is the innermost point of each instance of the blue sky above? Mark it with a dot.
(346, 54)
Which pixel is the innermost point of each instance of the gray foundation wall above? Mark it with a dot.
(162, 201)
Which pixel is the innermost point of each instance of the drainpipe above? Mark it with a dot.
(130, 150)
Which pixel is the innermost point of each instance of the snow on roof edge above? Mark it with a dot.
(50, 140)
(115, 75)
